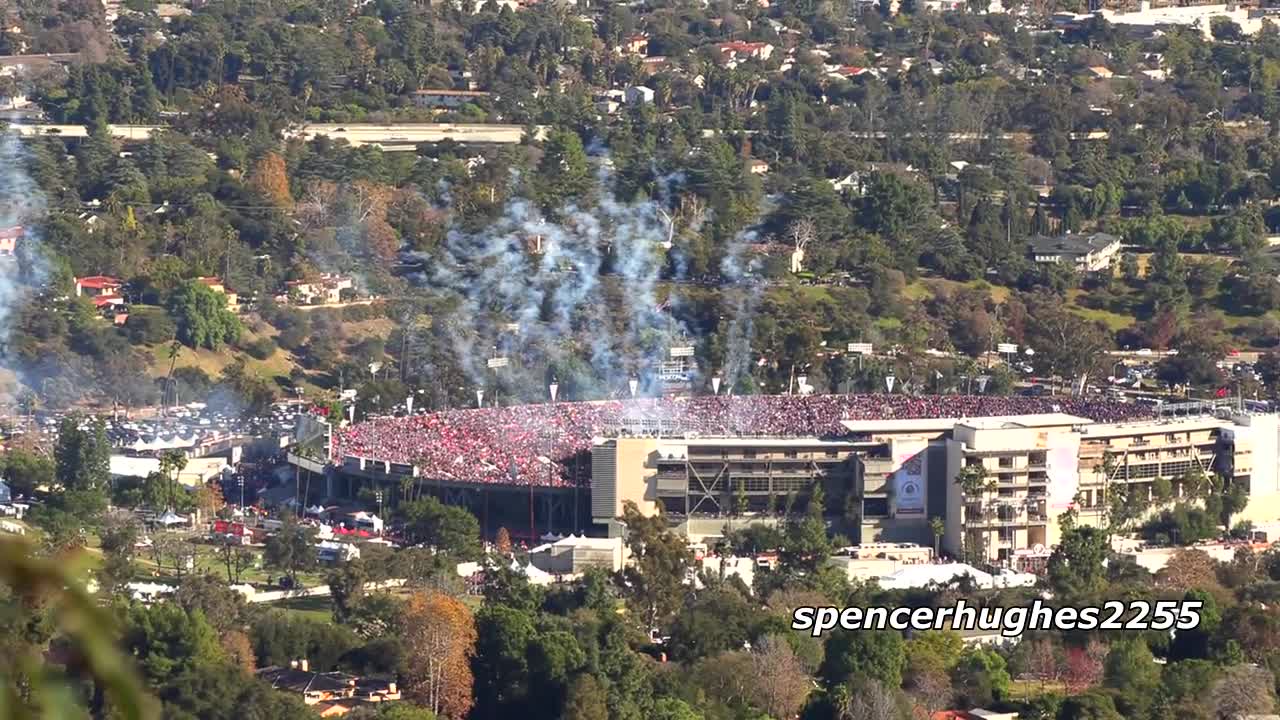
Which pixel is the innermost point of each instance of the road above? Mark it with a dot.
(404, 136)
(124, 132)
(407, 136)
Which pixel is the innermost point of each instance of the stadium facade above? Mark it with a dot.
(886, 479)
(882, 480)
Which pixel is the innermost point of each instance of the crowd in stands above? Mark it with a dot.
(524, 444)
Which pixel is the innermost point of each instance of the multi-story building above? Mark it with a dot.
(708, 484)
(886, 479)
(1033, 474)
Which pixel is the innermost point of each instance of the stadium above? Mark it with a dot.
(708, 461)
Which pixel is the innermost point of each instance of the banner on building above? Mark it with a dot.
(909, 477)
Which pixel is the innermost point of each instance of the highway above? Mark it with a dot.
(124, 132)
(404, 136)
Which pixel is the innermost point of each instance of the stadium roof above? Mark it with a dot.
(1041, 420)
(887, 426)
(905, 425)
(755, 442)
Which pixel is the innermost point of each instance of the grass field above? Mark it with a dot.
(319, 609)
(1026, 689)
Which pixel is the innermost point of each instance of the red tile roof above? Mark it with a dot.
(98, 282)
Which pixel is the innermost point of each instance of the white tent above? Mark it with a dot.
(171, 518)
(362, 520)
(315, 510)
(919, 576)
(534, 575)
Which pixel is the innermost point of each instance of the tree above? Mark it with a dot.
(563, 173)
(236, 558)
(222, 607)
(1132, 671)
(82, 477)
(271, 179)
(346, 588)
(168, 641)
(981, 678)
(781, 682)
(718, 619)
(869, 700)
(447, 528)
(660, 562)
(1076, 566)
(1066, 345)
(806, 545)
(1089, 706)
(1242, 691)
(502, 543)
(202, 316)
(292, 549)
(868, 654)
(586, 700)
(221, 691)
(439, 636)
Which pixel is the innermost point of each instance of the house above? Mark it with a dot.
(1101, 72)
(447, 99)
(846, 71)
(9, 238)
(639, 95)
(637, 44)
(325, 290)
(758, 167)
(215, 284)
(314, 687)
(975, 714)
(463, 79)
(653, 64)
(98, 285)
(742, 50)
(1086, 253)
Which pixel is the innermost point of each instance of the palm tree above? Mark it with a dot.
(972, 480)
(938, 527)
(175, 349)
(172, 463)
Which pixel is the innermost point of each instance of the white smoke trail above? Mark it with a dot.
(22, 204)
(741, 272)
(546, 278)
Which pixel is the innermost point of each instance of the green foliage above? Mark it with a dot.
(202, 317)
(292, 549)
(868, 654)
(447, 528)
(1076, 565)
(981, 678)
(1132, 671)
(660, 561)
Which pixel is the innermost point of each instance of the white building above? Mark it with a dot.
(639, 95)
